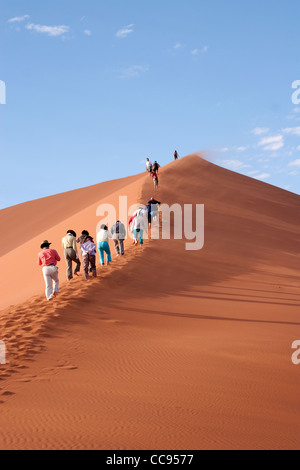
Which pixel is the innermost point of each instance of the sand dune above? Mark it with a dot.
(167, 349)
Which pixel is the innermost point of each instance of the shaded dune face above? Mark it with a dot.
(34, 217)
(170, 348)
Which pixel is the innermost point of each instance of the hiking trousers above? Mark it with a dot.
(119, 246)
(138, 234)
(103, 247)
(50, 274)
(89, 262)
(70, 257)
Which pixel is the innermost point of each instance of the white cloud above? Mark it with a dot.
(260, 130)
(224, 149)
(88, 32)
(135, 71)
(234, 164)
(204, 49)
(263, 176)
(295, 162)
(18, 19)
(298, 148)
(50, 30)
(195, 52)
(178, 45)
(272, 143)
(292, 130)
(254, 172)
(241, 149)
(123, 33)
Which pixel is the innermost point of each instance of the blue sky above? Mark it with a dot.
(93, 87)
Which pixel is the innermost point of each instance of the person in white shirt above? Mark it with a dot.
(141, 211)
(139, 226)
(103, 245)
(148, 166)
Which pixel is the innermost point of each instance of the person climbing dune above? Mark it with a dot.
(139, 227)
(71, 253)
(118, 232)
(148, 166)
(152, 208)
(88, 250)
(155, 179)
(155, 167)
(102, 244)
(48, 258)
(83, 237)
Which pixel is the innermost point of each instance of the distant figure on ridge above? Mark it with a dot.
(88, 250)
(48, 259)
(148, 166)
(118, 232)
(155, 167)
(102, 244)
(176, 155)
(155, 179)
(71, 253)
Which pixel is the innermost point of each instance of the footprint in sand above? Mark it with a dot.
(67, 367)
(7, 394)
(27, 379)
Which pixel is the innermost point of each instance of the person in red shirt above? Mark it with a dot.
(155, 179)
(48, 258)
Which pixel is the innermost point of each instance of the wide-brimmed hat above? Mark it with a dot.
(45, 244)
(71, 232)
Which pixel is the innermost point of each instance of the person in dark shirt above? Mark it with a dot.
(152, 210)
(155, 167)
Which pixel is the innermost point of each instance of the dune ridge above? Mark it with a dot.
(168, 349)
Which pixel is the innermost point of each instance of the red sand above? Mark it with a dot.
(168, 349)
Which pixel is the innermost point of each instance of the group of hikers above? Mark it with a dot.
(152, 169)
(48, 257)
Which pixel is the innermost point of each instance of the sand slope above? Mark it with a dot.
(169, 349)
